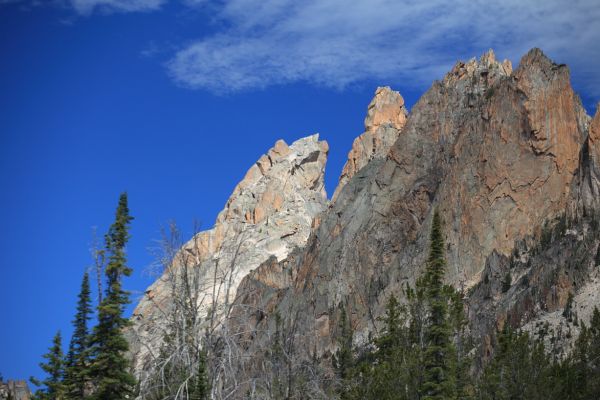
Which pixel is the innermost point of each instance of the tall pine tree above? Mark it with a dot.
(343, 360)
(110, 367)
(439, 377)
(53, 388)
(77, 373)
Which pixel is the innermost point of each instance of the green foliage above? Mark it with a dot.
(52, 388)
(110, 368)
(439, 380)
(585, 361)
(522, 368)
(560, 228)
(343, 360)
(424, 350)
(78, 362)
(519, 369)
(421, 352)
(546, 235)
(385, 371)
(200, 388)
(568, 311)
(506, 282)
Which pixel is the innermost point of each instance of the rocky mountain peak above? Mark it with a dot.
(547, 88)
(501, 154)
(471, 147)
(299, 167)
(536, 58)
(269, 213)
(386, 108)
(386, 116)
(487, 70)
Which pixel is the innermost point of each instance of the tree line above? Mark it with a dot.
(425, 352)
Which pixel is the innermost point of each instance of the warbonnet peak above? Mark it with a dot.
(508, 158)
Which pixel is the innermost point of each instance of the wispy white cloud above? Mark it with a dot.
(86, 7)
(338, 42)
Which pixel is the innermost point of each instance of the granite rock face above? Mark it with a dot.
(588, 183)
(14, 390)
(505, 155)
(497, 152)
(385, 119)
(269, 213)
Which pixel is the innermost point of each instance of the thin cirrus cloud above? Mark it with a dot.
(336, 43)
(86, 7)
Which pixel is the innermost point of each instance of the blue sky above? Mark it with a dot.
(174, 100)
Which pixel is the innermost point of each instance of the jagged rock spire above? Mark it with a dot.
(385, 119)
(269, 213)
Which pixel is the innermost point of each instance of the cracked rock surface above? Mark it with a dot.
(495, 150)
(269, 213)
(499, 152)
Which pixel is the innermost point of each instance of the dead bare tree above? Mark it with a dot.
(98, 255)
(196, 309)
(207, 320)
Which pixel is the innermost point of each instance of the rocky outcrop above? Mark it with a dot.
(269, 213)
(543, 273)
(509, 158)
(14, 390)
(495, 150)
(385, 119)
(588, 183)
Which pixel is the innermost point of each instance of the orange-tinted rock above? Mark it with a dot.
(385, 119)
(494, 150)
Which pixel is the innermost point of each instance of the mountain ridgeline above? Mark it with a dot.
(293, 296)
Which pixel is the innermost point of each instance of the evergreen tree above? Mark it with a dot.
(439, 377)
(568, 311)
(520, 369)
(110, 367)
(594, 356)
(575, 367)
(77, 373)
(343, 360)
(463, 344)
(506, 282)
(422, 350)
(52, 386)
(391, 337)
(201, 388)
(393, 370)
(393, 367)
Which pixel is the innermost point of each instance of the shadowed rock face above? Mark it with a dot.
(495, 150)
(588, 184)
(269, 213)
